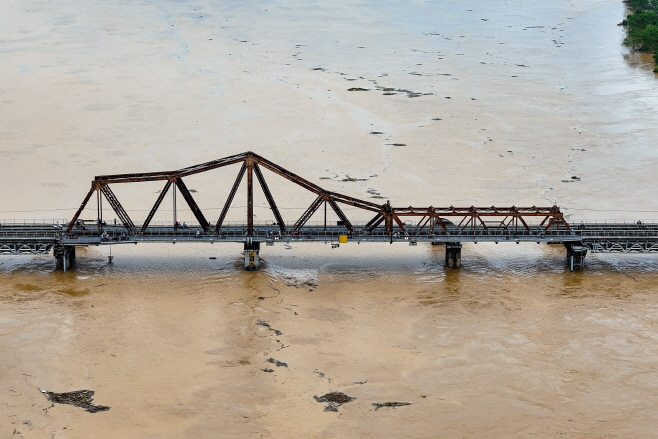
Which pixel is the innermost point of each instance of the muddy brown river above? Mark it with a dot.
(475, 103)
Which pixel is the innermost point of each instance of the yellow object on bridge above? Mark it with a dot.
(342, 239)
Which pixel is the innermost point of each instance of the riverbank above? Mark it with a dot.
(642, 27)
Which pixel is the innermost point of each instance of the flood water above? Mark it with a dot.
(496, 103)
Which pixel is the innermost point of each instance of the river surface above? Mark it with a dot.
(494, 103)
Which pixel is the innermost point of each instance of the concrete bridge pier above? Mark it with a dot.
(64, 256)
(576, 256)
(453, 254)
(251, 257)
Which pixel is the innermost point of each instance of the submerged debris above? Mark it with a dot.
(409, 93)
(267, 325)
(379, 405)
(375, 194)
(358, 89)
(79, 398)
(348, 178)
(322, 375)
(277, 363)
(334, 400)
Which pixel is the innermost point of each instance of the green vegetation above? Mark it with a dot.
(642, 27)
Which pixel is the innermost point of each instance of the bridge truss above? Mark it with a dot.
(386, 218)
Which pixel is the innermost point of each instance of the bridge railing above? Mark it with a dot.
(33, 234)
(491, 229)
(34, 222)
(408, 223)
(618, 222)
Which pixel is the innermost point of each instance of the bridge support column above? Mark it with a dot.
(251, 257)
(576, 256)
(453, 254)
(64, 256)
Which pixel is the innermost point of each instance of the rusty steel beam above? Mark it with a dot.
(134, 178)
(229, 200)
(341, 215)
(156, 205)
(166, 175)
(118, 208)
(366, 205)
(213, 164)
(482, 211)
(250, 198)
(475, 215)
(308, 213)
(470, 216)
(82, 207)
(190, 202)
(387, 211)
(287, 174)
(399, 222)
(372, 224)
(270, 199)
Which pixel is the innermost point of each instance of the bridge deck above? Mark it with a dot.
(597, 237)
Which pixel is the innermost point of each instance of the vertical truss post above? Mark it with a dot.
(229, 200)
(100, 210)
(388, 216)
(325, 216)
(174, 207)
(432, 219)
(250, 197)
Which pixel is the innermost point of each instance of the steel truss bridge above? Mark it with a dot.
(450, 226)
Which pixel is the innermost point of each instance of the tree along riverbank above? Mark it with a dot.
(642, 27)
